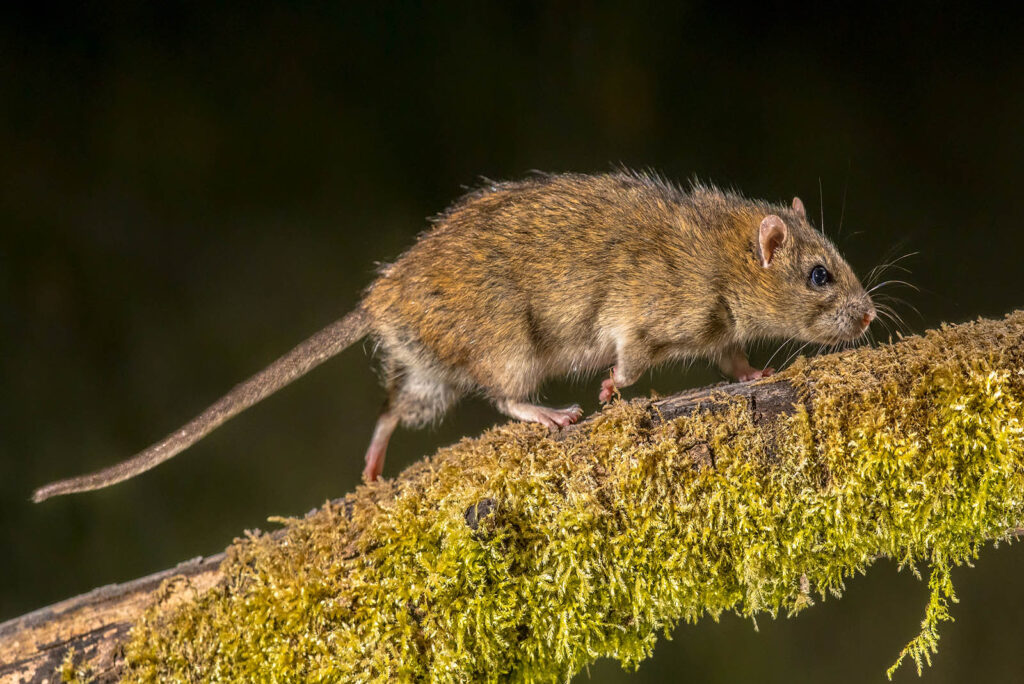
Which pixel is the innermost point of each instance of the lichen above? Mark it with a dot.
(591, 546)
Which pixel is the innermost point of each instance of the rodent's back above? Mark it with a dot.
(540, 266)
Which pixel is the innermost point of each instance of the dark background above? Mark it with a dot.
(186, 193)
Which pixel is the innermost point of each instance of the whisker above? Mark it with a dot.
(903, 256)
(914, 309)
(904, 283)
(880, 269)
(886, 322)
(895, 318)
(902, 325)
(900, 301)
(882, 306)
(772, 357)
(794, 354)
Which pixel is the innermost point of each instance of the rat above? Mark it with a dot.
(564, 274)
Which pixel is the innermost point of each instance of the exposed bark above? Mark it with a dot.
(93, 624)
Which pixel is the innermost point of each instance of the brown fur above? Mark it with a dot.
(560, 274)
(521, 281)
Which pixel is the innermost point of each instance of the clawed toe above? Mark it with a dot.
(563, 417)
(553, 418)
(756, 374)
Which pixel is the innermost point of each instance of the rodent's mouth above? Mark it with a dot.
(845, 330)
(847, 325)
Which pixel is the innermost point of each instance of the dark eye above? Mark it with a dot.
(820, 276)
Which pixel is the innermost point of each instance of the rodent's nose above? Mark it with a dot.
(868, 317)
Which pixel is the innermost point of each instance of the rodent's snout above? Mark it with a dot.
(857, 317)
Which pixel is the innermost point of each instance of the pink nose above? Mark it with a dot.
(868, 317)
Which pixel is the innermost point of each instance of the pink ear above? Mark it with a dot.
(798, 207)
(770, 237)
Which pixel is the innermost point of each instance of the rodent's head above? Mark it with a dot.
(810, 292)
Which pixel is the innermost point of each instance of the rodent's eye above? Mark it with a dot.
(820, 276)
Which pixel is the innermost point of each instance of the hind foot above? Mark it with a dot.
(553, 418)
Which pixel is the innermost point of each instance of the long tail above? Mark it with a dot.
(323, 345)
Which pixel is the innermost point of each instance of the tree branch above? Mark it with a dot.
(96, 624)
(791, 447)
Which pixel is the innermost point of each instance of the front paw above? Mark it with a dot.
(608, 390)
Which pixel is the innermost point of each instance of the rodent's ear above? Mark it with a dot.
(770, 237)
(798, 207)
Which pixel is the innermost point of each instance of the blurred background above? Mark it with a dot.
(186, 192)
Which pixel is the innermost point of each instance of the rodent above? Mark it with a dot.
(562, 274)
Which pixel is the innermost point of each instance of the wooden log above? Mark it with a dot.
(95, 625)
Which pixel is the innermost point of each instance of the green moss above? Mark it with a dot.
(594, 545)
(72, 670)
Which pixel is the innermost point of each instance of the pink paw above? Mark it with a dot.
(755, 374)
(608, 390)
(570, 415)
(556, 418)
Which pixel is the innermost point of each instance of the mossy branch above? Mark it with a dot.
(525, 556)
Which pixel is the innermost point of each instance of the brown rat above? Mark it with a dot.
(565, 274)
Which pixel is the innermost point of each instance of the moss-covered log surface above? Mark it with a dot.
(523, 556)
